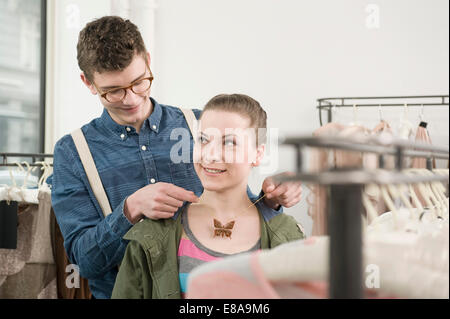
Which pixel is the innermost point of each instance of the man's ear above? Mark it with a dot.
(88, 84)
(259, 155)
(148, 59)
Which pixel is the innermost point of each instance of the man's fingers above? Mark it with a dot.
(282, 188)
(165, 208)
(291, 192)
(159, 215)
(172, 201)
(294, 192)
(269, 185)
(294, 202)
(181, 194)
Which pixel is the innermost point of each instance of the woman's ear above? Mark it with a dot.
(259, 155)
(88, 84)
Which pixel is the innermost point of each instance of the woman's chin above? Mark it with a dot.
(213, 188)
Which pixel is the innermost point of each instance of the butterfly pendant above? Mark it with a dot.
(223, 230)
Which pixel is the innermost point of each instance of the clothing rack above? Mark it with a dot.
(34, 157)
(345, 198)
(328, 104)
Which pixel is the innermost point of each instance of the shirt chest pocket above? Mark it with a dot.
(184, 175)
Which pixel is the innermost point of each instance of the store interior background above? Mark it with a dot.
(286, 54)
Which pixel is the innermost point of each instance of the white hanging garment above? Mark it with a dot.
(29, 270)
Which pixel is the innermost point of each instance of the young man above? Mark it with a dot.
(130, 144)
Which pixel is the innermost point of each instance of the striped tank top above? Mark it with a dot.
(191, 253)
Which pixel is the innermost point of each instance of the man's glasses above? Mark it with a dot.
(138, 87)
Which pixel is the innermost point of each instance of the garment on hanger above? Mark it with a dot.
(8, 224)
(29, 270)
(322, 159)
(319, 160)
(396, 264)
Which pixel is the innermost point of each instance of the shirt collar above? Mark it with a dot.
(155, 117)
(153, 121)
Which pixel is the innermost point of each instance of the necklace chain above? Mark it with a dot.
(225, 230)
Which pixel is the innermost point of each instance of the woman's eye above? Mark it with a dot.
(229, 143)
(202, 139)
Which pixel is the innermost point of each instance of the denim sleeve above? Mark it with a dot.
(92, 241)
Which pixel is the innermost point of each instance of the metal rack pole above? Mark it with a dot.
(345, 202)
(345, 252)
(328, 103)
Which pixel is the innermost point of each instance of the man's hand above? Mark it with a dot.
(155, 201)
(287, 194)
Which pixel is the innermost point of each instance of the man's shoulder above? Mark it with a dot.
(67, 141)
(169, 109)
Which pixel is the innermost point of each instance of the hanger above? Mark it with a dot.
(14, 184)
(355, 115)
(372, 213)
(46, 168)
(421, 114)
(29, 171)
(334, 114)
(439, 192)
(405, 127)
(418, 205)
(390, 204)
(425, 191)
(398, 194)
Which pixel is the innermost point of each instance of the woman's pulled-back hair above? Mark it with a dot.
(243, 105)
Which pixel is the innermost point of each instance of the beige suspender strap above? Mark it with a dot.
(91, 171)
(191, 120)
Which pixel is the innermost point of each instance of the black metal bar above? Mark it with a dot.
(320, 116)
(345, 235)
(382, 105)
(15, 165)
(429, 163)
(33, 156)
(327, 103)
(299, 157)
(385, 97)
(43, 75)
(38, 155)
(399, 158)
(370, 144)
(381, 161)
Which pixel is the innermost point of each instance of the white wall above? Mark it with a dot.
(284, 53)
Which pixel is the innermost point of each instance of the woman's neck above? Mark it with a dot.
(226, 204)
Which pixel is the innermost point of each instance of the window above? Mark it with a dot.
(22, 75)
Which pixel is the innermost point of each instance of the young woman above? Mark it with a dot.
(161, 253)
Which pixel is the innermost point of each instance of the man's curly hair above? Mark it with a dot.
(108, 44)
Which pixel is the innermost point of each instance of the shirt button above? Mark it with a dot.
(152, 181)
(154, 127)
(143, 148)
(122, 136)
(128, 129)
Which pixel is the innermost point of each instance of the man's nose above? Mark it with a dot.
(130, 98)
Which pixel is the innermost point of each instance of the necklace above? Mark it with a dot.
(221, 230)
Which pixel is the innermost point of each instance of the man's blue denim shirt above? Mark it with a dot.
(94, 242)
